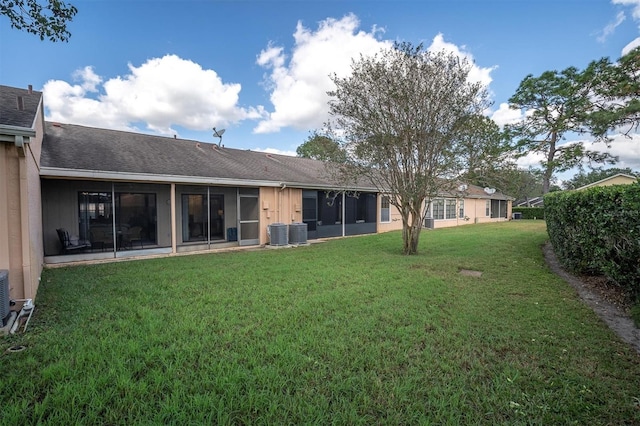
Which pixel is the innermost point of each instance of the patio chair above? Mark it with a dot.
(70, 245)
(135, 236)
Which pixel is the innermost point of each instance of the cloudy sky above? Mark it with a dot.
(259, 69)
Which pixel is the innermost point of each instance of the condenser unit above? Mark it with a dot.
(298, 233)
(4, 295)
(278, 234)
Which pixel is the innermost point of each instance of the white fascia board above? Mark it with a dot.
(327, 187)
(62, 173)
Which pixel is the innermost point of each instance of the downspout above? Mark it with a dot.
(173, 219)
(283, 186)
(208, 217)
(24, 220)
(344, 233)
(113, 220)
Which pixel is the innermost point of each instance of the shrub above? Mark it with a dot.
(597, 231)
(530, 212)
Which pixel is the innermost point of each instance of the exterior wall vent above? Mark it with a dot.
(4, 295)
(278, 234)
(298, 233)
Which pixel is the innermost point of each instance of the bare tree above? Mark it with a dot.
(400, 115)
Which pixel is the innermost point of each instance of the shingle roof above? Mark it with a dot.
(81, 148)
(87, 150)
(11, 114)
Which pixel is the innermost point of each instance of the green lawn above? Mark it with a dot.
(344, 332)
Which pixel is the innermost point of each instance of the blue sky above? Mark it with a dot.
(259, 69)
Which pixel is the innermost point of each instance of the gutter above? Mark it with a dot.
(66, 173)
(16, 134)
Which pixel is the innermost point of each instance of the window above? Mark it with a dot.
(450, 206)
(487, 208)
(461, 210)
(438, 209)
(384, 209)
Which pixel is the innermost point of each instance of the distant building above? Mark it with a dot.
(618, 179)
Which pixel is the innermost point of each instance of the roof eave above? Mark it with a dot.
(66, 173)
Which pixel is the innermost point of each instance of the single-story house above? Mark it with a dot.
(617, 179)
(71, 193)
(534, 202)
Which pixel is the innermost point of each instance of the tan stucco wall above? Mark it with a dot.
(618, 180)
(20, 218)
(33, 228)
(10, 222)
(278, 205)
(474, 210)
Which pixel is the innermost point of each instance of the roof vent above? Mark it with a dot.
(20, 103)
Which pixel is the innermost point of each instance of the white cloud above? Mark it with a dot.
(162, 92)
(531, 159)
(299, 83)
(635, 4)
(476, 74)
(635, 13)
(627, 149)
(505, 115)
(276, 151)
(611, 27)
(632, 45)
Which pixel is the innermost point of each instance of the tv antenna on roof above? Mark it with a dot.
(218, 134)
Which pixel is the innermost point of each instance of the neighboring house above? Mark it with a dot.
(534, 202)
(120, 194)
(471, 204)
(618, 179)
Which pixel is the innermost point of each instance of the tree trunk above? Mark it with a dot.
(548, 172)
(411, 227)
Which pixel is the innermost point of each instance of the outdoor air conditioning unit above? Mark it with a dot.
(4, 295)
(428, 223)
(278, 234)
(298, 233)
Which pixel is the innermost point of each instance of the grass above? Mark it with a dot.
(344, 332)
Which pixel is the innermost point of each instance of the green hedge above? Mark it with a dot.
(597, 231)
(529, 212)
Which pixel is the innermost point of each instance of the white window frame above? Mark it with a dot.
(461, 209)
(447, 207)
(435, 213)
(487, 208)
(385, 206)
(450, 208)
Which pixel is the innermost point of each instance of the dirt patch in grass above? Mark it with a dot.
(610, 302)
(470, 273)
